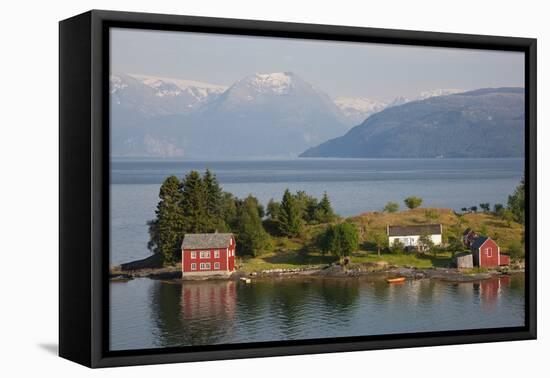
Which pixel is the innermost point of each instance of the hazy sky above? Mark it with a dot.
(338, 68)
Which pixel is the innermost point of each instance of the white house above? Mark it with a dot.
(409, 235)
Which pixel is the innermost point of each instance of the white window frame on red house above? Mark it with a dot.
(204, 266)
(216, 266)
(193, 266)
(216, 254)
(193, 254)
(489, 252)
(205, 254)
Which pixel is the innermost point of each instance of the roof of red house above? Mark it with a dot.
(213, 240)
(478, 242)
(428, 229)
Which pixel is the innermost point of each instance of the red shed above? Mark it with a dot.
(208, 254)
(486, 253)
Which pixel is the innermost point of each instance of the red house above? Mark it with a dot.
(486, 253)
(207, 254)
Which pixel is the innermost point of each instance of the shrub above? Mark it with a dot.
(391, 207)
(413, 202)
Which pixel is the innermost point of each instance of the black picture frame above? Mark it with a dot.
(84, 187)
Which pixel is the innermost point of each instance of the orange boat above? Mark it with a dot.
(395, 280)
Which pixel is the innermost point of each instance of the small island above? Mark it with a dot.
(301, 235)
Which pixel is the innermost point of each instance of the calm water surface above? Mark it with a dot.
(149, 314)
(354, 186)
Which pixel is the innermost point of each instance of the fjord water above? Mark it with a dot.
(151, 314)
(353, 185)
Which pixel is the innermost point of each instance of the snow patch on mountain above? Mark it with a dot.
(357, 109)
(438, 92)
(117, 84)
(169, 87)
(277, 82)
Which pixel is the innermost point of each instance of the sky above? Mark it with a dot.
(375, 71)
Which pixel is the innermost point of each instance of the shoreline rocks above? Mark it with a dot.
(368, 270)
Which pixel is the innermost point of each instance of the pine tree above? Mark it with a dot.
(252, 239)
(167, 230)
(289, 220)
(214, 197)
(193, 203)
(516, 202)
(324, 212)
(273, 208)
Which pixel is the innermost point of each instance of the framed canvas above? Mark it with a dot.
(235, 188)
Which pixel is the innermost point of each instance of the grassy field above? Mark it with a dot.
(301, 252)
(484, 223)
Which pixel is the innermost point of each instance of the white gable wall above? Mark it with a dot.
(412, 240)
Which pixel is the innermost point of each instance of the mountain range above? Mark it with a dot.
(485, 123)
(262, 115)
(273, 115)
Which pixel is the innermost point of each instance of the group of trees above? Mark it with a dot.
(339, 239)
(513, 211)
(197, 204)
(296, 210)
(411, 202)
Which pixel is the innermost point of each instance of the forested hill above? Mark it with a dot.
(485, 123)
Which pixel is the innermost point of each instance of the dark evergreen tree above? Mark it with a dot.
(307, 205)
(251, 237)
(214, 205)
(167, 230)
(340, 239)
(290, 219)
(273, 208)
(194, 204)
(516, 202)
(323, 211)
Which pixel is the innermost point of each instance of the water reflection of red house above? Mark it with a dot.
(490, 290)
(213, 301)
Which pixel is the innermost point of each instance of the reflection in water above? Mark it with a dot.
(193, 313)
(147, 313)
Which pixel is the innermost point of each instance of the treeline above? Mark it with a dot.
(514, 210)
(197, 204)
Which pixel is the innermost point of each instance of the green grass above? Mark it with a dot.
(295, 259)
(284, 260)
(413, 259)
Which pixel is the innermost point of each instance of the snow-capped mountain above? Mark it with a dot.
(276, 113)
(167, 87)
(154, 96)
(262, 115)
(357, 109)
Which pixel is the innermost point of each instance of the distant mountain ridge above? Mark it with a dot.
(487, 122)
(358, 109)
(262, 115)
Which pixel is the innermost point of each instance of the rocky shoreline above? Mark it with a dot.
(367, 270)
